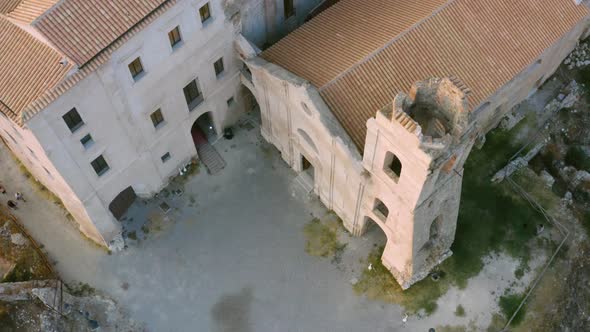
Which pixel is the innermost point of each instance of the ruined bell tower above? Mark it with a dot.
(415, 150)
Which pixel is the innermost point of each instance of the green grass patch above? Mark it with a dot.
(379, 284)
(492, 218)
(508, 304)
(576, 157)
(460, 311)
(321, 238)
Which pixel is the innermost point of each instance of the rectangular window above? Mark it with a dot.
(12, 138)
(174, 37)
(218, 65)
(100, 165)
(205, 12)
(193, 95)
(73, 120)
(87, 141)
(48, 173)
(165, 157)
(136, 69)
(32, 153)
(230, 102)
(289, 8)
(157, 118)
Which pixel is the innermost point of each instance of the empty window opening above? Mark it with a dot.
(218, 65)
(32, 153)
(136, 69)
(231, 102)
(205, 12)
(48, 172)
(165, 157)
(192, 94)
(174, 37)
(87, 141)
(157, 118)
(100, 165)
(289, 8)
(392, 166)
(73, 120)
(12, 138)
(380, 209)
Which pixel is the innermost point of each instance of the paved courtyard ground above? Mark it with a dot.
(230, 255)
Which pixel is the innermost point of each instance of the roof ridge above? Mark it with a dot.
(390, 42)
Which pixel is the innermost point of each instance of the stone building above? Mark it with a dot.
(104, 101)
(378, 103)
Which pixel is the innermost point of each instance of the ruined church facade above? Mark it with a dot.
(407, 174)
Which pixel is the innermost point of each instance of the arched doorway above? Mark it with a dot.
(203, 130)
(250, 102)
(122, 202)
(374, 233)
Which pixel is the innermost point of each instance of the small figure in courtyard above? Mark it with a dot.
(19, 196)
(11, 204)
(2, 190)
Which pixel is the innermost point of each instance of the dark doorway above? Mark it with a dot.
(203, 130)
(250, 102)
(122, 202)
(307, 167)
(374, 233)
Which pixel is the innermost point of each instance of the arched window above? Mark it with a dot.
(380, 210)
(392, 166)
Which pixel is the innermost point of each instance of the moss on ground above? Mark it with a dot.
(322, 238)
(460, 311)
(29, 264)
(509, 303)
(379, 284)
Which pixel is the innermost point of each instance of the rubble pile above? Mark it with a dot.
(580, 57)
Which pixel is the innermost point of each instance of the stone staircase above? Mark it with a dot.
(211, 158)
(303, 184)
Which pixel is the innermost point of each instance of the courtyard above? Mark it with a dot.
(231, 252)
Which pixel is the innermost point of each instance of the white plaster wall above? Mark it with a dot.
(27, 148)
(116, 110)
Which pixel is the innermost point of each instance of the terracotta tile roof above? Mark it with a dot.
(98, 60)
(6, 6)
(484, 43)
(82, 28)
(344, 34)
(28, 10)
(28, 67)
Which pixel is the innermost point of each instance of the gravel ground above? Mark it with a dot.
(230, 255)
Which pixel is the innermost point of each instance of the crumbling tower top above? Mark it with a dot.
(436, 110)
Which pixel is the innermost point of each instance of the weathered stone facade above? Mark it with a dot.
(409, 176)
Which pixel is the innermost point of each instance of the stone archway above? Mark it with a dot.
(203, 130)
(121, 203)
